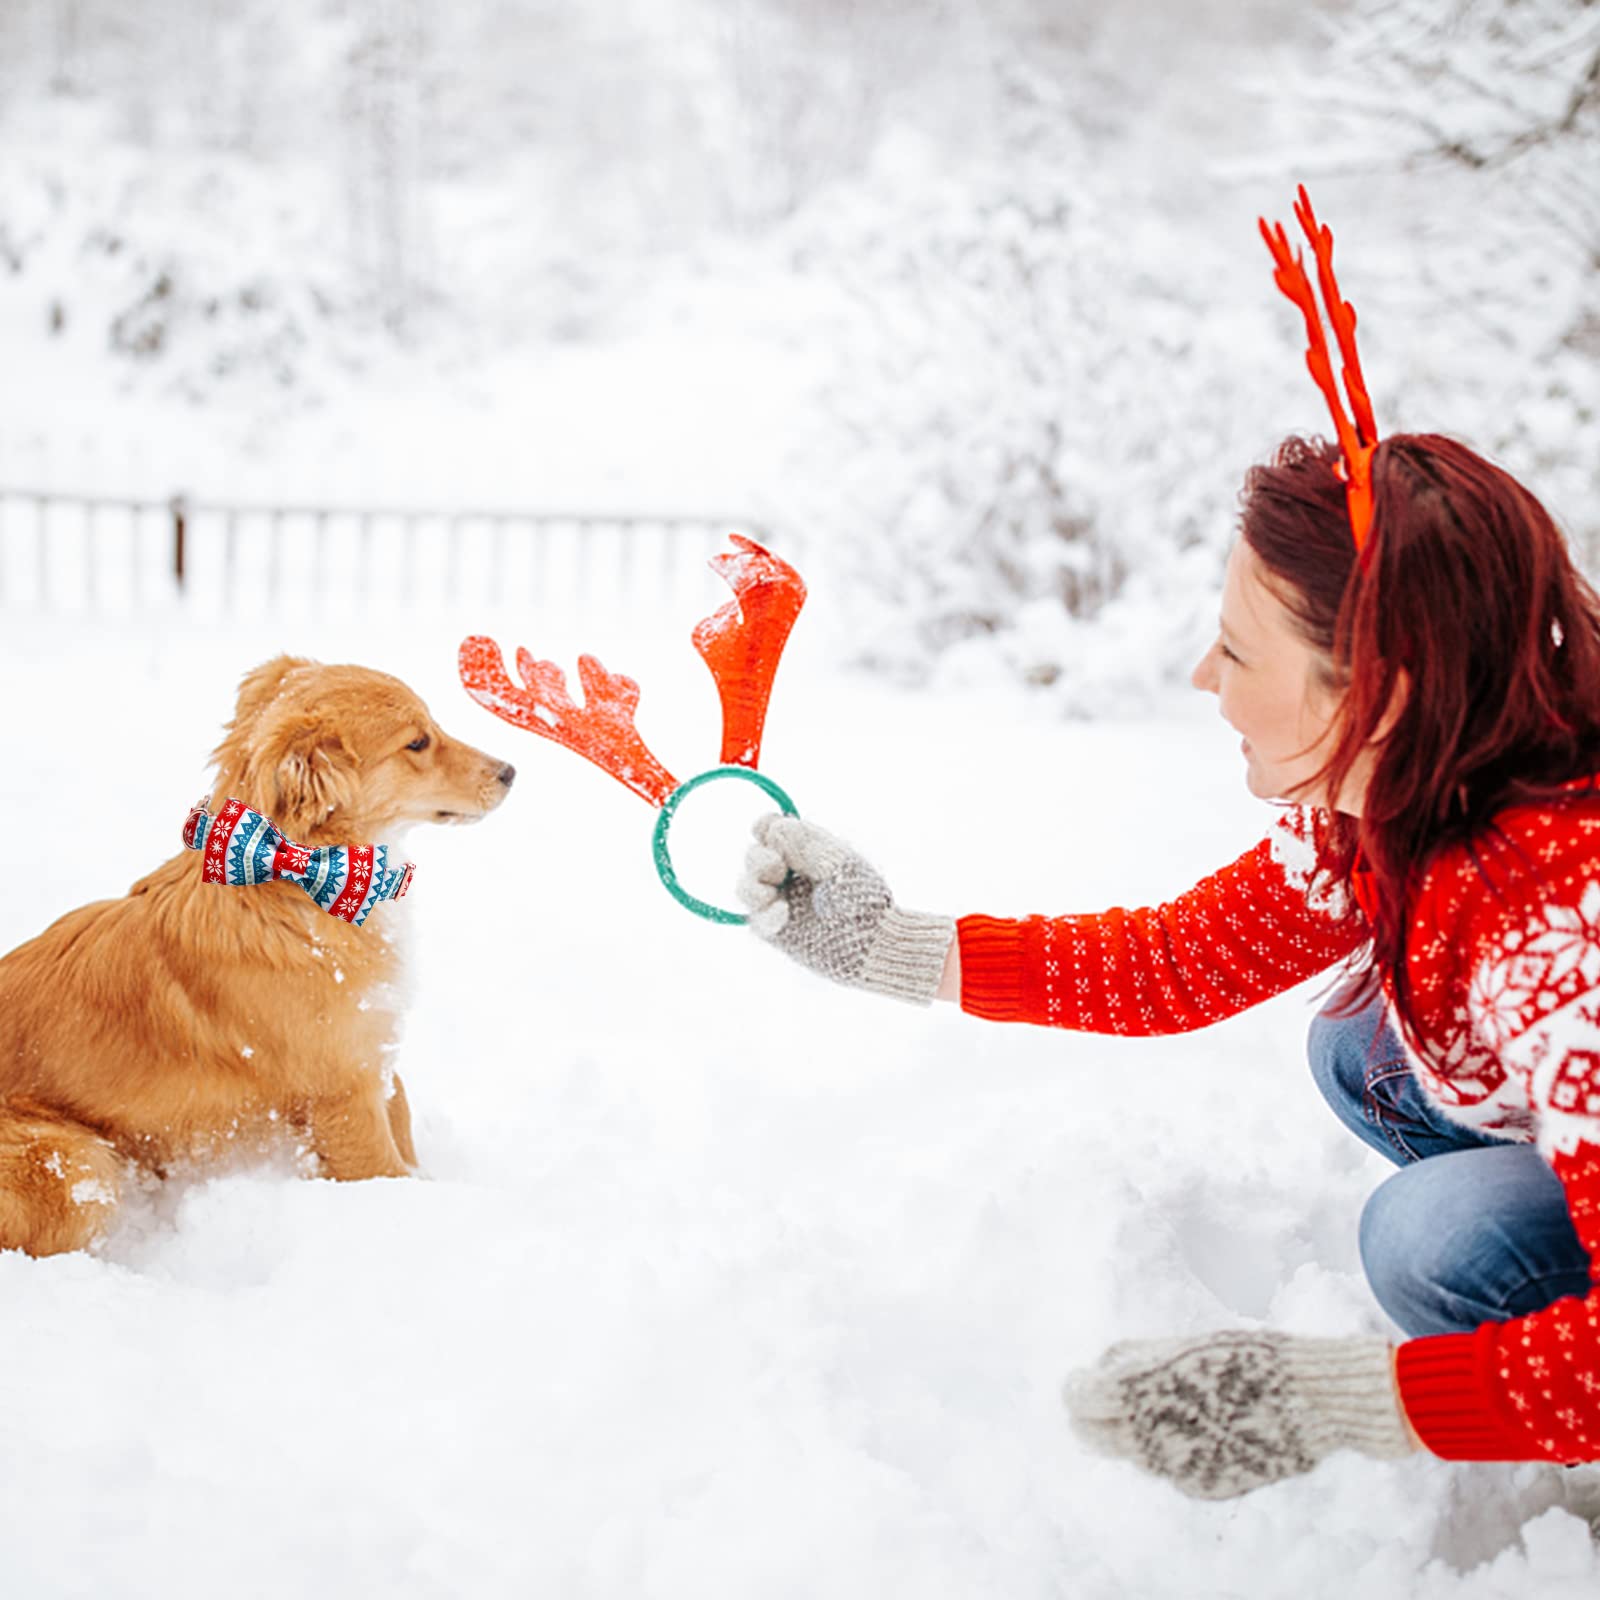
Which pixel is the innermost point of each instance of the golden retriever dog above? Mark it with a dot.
(188, 1021)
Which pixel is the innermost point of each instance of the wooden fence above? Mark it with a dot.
(105, 553)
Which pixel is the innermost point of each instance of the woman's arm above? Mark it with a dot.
(1253, 929)
(1257, 927)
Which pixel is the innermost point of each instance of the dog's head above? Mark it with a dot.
(345, 753)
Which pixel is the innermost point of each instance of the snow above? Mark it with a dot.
(720, 1281)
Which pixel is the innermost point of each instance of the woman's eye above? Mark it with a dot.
(421, 742)
(1226, 651)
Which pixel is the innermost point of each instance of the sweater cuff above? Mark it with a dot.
(1449, 1403)
(993, 960)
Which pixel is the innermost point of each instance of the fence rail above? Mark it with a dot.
(109, 552)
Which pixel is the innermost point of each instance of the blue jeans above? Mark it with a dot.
(1470, 1229)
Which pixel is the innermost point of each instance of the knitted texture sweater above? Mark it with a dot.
(1503, 953)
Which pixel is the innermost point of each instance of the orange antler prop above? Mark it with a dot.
(1358, 438)
(743, 642)
(601, 730)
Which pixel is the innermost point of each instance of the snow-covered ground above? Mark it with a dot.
(721, 1282)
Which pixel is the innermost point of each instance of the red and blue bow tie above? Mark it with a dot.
(241, 847)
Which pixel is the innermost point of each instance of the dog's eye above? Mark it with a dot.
(421, 742)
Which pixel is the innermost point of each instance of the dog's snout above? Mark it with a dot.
(507, 775)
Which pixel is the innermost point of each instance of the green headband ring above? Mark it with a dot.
(664, 822)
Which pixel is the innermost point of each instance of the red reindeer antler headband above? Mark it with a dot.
(741, 643)
(1358, 438)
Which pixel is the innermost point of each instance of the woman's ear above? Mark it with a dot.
(313, 781)
(1399, 699)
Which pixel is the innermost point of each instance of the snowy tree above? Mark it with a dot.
(1038, 400)
(383, 106)
(1508, 92)
(1440, 111)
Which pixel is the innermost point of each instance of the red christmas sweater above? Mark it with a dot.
(1504, 960)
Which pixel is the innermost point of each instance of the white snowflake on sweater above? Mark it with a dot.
(1468, 1081)
(1534, 1002)
(1297, 842)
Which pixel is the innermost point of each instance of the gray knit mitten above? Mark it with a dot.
(1224, 1413)
(815, 898)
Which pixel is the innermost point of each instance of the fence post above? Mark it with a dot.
(180, 523)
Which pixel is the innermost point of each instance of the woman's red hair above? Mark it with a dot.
(1465, 642)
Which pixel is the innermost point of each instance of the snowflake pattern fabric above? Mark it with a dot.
(1503, 957)
(1220, 1414)
(241, 848)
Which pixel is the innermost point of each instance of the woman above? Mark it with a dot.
(1414, 662)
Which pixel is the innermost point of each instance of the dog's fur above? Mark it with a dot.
(188, 1020)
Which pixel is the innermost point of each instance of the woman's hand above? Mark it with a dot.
(816, 899)
(1225, 1413)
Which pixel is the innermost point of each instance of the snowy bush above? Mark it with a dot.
(994, 267)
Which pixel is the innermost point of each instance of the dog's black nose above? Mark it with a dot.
(507, 775)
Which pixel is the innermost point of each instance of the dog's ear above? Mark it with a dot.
(314, 779)
(257, 690)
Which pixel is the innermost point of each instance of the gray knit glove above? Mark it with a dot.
(815, 898)
(1224, 1413)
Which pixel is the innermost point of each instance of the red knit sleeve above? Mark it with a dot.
(1252, 930)
(1523, 1390)
(1530, 1388)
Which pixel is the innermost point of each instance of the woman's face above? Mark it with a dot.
(1269, 687)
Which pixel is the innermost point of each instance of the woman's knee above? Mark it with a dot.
(1470, 1237)
(1400, 1255)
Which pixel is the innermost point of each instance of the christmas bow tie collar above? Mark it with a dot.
(241, 847)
